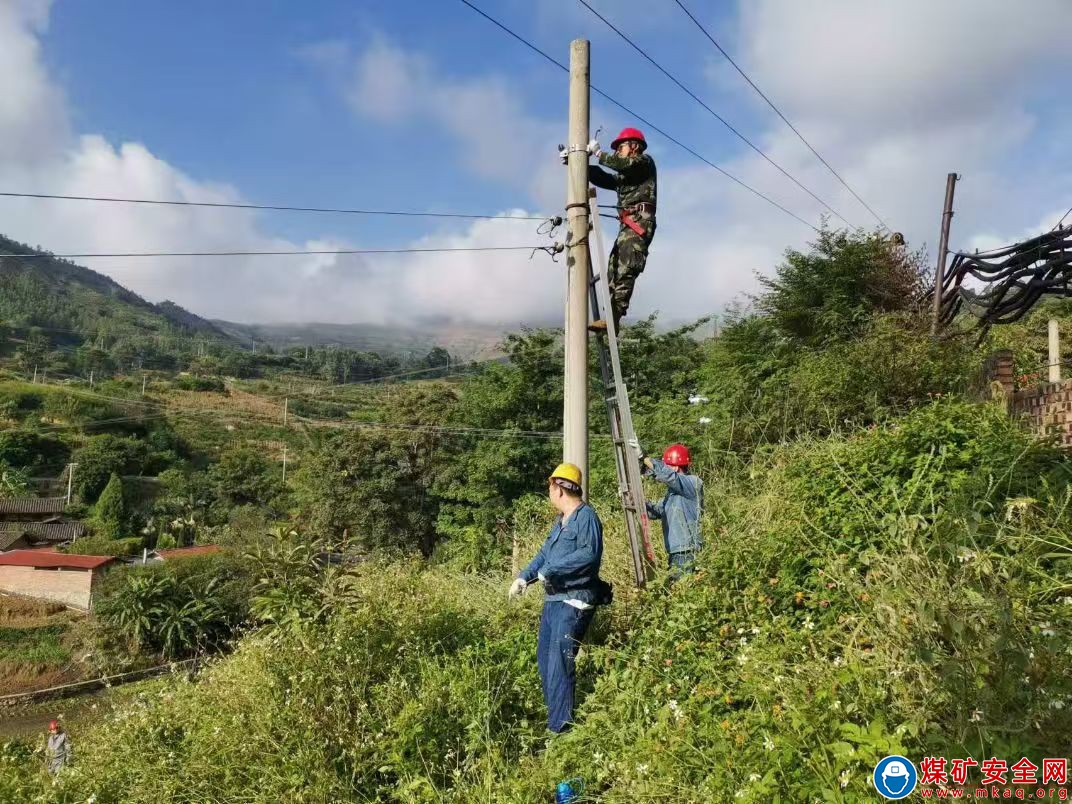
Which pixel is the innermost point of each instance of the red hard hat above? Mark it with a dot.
(676, 455)
(629, 134)
(53, 724)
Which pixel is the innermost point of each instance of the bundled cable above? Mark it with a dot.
(1015, 278)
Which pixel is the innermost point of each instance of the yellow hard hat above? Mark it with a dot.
(567, 471)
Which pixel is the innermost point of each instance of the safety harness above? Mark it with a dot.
(625, 215)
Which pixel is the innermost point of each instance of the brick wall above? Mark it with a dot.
(72, 587)
(1047, 409)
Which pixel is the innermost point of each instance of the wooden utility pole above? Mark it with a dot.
(1055, 352)
(575, 408)
(943, 251)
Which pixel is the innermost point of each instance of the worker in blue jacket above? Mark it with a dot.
(568, 567)
(680, 510)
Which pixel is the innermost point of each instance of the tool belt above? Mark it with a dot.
(625, 215)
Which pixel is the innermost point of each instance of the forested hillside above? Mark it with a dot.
(887, 569)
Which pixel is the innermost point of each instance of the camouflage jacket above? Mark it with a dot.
(635, 180)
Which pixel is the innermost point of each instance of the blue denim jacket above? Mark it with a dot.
(679, 510)
(570, 557)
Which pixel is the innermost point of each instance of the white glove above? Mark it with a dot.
(563, 154)
(517, 587)
(594, 149)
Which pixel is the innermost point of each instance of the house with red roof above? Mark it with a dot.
(47, 575)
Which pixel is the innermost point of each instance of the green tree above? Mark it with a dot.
(376, 485)
(13, 482)
(102, 457)
(831, 292)
(480, 483)
(110, 512)
(245, 477)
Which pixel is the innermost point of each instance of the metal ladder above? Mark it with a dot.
(616, 397)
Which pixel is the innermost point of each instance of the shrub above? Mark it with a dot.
(106, 546)
(190, 382)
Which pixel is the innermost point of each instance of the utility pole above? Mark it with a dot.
(284, 465)
(575, 407)
(1055, 352)
(70, 480)
(35, 374)
(91, 378)
(143, 385)
(943, 251)
(286, 406)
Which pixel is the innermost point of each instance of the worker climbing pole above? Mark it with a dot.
(635, 182)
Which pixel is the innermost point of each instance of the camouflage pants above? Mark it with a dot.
(627, 260)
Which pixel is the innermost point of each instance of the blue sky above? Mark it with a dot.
(414, 105)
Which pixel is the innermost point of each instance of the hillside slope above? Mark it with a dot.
(57, 294)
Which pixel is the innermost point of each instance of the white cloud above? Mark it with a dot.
(894, 95)
(38, 152)
(489, 125)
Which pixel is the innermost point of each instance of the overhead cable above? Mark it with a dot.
(274, 207)
(295, 253)
(643, 120)
(778, 112)
(712, 112)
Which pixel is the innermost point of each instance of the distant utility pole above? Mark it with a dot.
(91, 378)
(143, 385)
(943, 251)
(575, 407)
(70, 480)
(35, 375)
(284, 465)
(286, 406)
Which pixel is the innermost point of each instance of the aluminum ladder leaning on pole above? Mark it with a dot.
(619, 414)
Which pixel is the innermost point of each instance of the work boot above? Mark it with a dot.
(599, 325)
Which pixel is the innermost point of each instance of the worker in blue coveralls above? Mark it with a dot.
(568, 567)
(680, 510)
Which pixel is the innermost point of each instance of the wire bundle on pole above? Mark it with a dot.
(1016, 277)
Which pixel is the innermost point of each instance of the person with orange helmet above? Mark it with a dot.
(568, 567)
(634, 179)
(58, 748)
(681, 509)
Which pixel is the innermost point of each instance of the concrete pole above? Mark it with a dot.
(284, 466)
(286, 406)
(143, 385)
(943, 251)
(35, 375)
(91, 378)
(70, 480)
(1055, 352)
(575, 409)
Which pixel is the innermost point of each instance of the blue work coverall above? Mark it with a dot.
(679, 511)
(569, 565)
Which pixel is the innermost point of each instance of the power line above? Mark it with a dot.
(712, 112)
(778, 111)
(643, 120)
(280, 253)
(274, 207)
